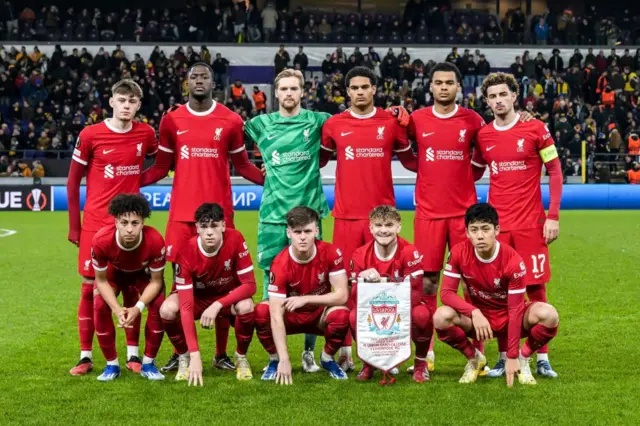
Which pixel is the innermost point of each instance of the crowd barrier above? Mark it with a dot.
(247, 197)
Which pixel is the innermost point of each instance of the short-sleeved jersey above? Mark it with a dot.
(364, 147)
(404, 261)
(291, 277)
(107, 251)
(201, 143)
(445, 186)
(114, 161)
(515, 155)
(213, 274)
(290, 148)
(488, 281)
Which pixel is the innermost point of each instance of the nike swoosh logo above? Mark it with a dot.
(271, 137)
(424, 135)
(179, 132)
(536, 276)
(295, 284)
(467, 276)
(106, 151)
(102, 334)
(345, 134)
(489, 148)
(158, 331)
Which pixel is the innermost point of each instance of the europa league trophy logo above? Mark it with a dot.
(35, 196)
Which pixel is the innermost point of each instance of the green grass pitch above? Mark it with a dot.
(594, 287)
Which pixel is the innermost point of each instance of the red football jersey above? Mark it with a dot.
(225, 275)
(114, 160)
(405, 261)
(494, 285)
(445, 186)
(215, 274)
(201, 143)
(365, 147)
(292, 277)
(515, 154)
(147, 253)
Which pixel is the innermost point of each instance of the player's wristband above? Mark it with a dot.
(140, 306)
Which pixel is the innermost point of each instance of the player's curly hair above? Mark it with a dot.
(385, 213)
(123, 204)
(481, 213)
(209, 212)
(497, 78)
(127, 87)
(361, 72)
(302, 216)
(446, 67)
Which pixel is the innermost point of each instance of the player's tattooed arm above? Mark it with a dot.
(109, 296)
(276, 308)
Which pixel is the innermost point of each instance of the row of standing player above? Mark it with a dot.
(364, 138)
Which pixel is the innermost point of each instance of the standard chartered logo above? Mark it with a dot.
(289, 157)
(184, 152)
(494, 168)
(348, 152)
(108, 171)
(430, 156)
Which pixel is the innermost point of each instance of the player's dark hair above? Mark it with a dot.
(209, 212)
(302, 216)
(446, 67)
(385, 213)
(200, 64)
(123, 204)
(361, 72)
(481, 213)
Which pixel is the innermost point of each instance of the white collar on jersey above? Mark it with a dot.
(202, 250)
(110, 126)
(492, 258)
(128, 249)
(303, 262)
(508, 126)
(380, 257)
(203, 113)
(363, 117)
(445, 116)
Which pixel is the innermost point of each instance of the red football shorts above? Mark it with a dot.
(179, 232)
(350, 234)
(120, 281)
(200, 304)
(85, 267)
(431, 237)
(499, 322)
(304, 322)
(531, 245)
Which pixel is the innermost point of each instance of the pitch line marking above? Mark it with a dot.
(7, 232)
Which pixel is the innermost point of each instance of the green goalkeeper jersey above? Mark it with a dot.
(290, 148)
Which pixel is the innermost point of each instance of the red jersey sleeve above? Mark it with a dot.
(411, 129)
(184, 285)
(99, 257)
(401, 142)
(327, 137)
(152, 141)
(451, 281)
(157, 253)
(278, 279)
(412, 267)
(244, 270)
(236, 139)
(335, 262)
(83, 151)
(516, 273)
(167, 134)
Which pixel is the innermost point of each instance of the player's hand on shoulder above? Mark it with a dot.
(263, 169)
(283, 374)
(171, 109)
(511, 369)
(525, 116)
(481, 326)
(195, 369)
(551, 230)
(401, 114)
(370, 275)
(295, 302)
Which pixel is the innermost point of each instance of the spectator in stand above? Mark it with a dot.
(269, 21)
(237, 90)
(453, 56)
(301, 60)
(220, 68)
(259, 100)
(542, 32)
(281, 60)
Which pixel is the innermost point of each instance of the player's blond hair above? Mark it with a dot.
(497, 78)
(384, 213)
(289, 73)
(127, 87)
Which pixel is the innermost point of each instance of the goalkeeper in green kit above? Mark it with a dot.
(289, 141)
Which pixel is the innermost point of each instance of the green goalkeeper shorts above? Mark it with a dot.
(272, 239)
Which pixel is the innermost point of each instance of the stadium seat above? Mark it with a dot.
(409, 38)
(325, 38)
(339, 38)
(297, 38)
(381, 38)
(367, 38)
(395, 38)
(282, 38)
(450, 40)
(353, 39)
(310, 38)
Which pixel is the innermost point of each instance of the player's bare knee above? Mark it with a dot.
(243, 307)
(443, 318)
(548, 316)
(169, 310)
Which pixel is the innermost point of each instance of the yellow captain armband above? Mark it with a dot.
(549, 153)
